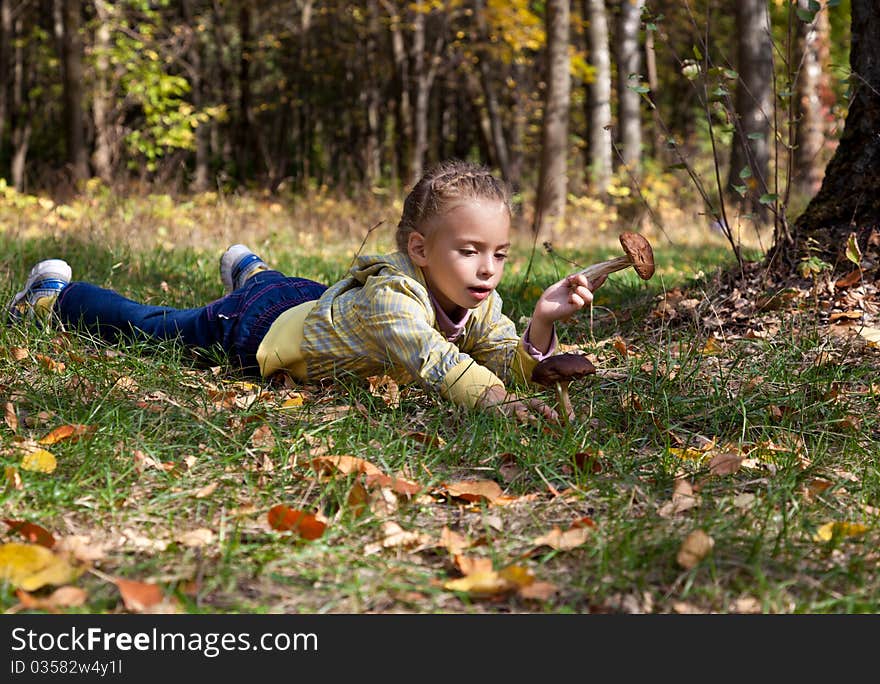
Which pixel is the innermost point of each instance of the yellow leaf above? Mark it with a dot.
(689, 453)
(712, 347)
(481, 583)
(853, 253)
(30, 566)
(839, 529)
(293, 402)
(39, 461)
(564, 541)
(13, 478)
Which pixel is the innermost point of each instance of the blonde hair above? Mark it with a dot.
(442, 185)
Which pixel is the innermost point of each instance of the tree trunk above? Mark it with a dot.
(199, 182)
(812, 85)
(424, 70)
(372, 96)
(754, 106)
(848, 201)
(629, 63)
(5, 65)
(102, 103)
(21, 120)
(403, 106)
(598, 100)
(244, 130)
(493, 110)
(67, 30)
(553, 181)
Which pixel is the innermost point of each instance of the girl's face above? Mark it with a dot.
(462, 257)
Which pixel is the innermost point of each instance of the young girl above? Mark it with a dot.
(427, 313)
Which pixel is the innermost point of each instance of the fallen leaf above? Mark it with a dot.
(80, 547)
(72, 432)
(358, 499)
(683, 499)
(474, 490)
(292, 402)
(395, 484)
(850, 278)
(13, 478)
(139, 597)
(32, 532)
(564, 541)
(840, 530)
(206, 491)
(62, 597)
(485, 582)
(538, 591)
(263, 438)
(695, 547)
(197, 538)
(345, 465)
(396, 536)
(712, 347)
(470, 565)
(452, 541)
(31, 566)
(725, 463)
(386, 388)
(426, 439)
(9, 416)
(39, 461)
(49, 363)
(19, 353)
(848, 315)
(306, 525)
(872, 335)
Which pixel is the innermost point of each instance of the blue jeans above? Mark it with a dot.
(235, 323)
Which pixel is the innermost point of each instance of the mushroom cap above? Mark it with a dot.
(639, 250)
(562, 368)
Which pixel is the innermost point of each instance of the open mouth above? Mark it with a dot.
(480, 292)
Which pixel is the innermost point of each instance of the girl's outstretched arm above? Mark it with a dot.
(559, 302)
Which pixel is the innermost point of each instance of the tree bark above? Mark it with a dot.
(67, 28)
(754, 106)
(21, 120)
(848, 201)
(5, 65)
(553, 180)
(812, 87)
(102, 102)
(598, 100)
(629, 62)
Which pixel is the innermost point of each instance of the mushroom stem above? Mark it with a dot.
(564, 402)
(604, 268)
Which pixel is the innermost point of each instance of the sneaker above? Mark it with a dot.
(237, 264)
(42, 288)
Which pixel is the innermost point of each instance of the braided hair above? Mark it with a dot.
(441, 186)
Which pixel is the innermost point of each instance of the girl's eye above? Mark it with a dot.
(467, 252)
(501, 257)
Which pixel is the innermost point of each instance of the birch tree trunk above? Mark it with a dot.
(598, 100)
(629, 64)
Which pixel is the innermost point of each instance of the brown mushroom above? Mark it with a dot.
(558, 371)
(639, 255)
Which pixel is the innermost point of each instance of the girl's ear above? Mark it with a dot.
(416, 249)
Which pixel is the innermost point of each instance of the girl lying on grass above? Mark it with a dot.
(427, 313)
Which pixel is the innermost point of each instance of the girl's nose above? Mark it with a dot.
(487, 266)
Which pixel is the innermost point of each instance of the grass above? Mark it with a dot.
(173, 485)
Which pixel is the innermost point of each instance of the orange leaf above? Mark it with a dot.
(49, 363)
(62, 597)
(475, 490)
(849, 279)
(67, 432)
(32, 532)
(345, 465)
(396, 484)
(469, 565)
(306, 525)
(138, 596)
(426, 439)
